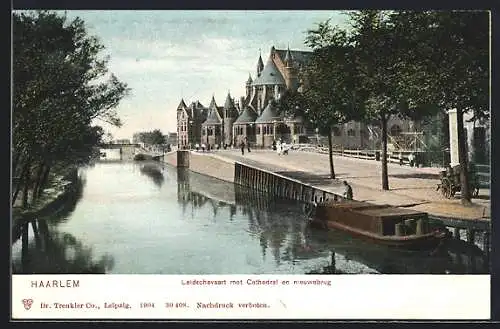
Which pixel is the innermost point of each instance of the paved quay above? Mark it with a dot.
(414, 188)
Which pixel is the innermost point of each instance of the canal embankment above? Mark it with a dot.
(61, 187)
(413, 188)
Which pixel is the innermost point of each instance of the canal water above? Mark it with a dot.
(137, 218)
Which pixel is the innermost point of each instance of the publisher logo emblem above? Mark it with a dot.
(27, 303)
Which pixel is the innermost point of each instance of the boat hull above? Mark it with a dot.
(415, 242)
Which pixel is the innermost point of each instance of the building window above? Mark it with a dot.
(337, 131)
(396, 130)
(258, 130)
(351, 133)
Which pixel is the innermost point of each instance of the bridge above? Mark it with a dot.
(127, 152)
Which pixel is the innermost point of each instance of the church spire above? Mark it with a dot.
(260, 64)
(249, 81)
(288, 58)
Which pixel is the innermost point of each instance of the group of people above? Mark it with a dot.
(243, 144)
(280, 147)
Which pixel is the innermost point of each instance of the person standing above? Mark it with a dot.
(347, 191)
(242, 145)
(248, 144)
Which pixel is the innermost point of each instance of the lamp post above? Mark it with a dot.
(295, 131)
(190, 133)
(274, 129)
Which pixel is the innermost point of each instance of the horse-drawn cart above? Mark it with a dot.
(450, 181)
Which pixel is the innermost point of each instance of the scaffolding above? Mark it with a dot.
(408, 141)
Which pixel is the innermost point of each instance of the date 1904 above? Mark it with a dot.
(147, 305)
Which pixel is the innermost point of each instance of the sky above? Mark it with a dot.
(165, 56)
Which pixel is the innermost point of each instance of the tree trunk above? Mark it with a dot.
(22, 180)
(37, 179)
(44, 181)
(26, 189)
(330, 153)
(465, 194)
(385, 178)
(15, 162)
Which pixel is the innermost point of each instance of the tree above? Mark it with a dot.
(157, 138)
(329, 95)
(60, 86)
(460, 69)
(447, 65)
(154, 137)
(377, 64)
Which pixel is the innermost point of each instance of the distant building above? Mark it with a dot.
(172, 138)
(255, 117)
(122, 141)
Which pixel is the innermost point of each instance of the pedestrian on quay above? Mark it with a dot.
(347, 191)
(400, 158)
(248, 144)
(242, 145)
(411, 158)
(197, 146)
(203, 147)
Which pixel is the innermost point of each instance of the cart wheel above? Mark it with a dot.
(451, 193)
(444, 190)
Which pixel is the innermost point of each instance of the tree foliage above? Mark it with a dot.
(154, 137)
(61, 85)
(410, 64)
(329, 95)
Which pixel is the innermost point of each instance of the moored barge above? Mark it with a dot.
(385, 224)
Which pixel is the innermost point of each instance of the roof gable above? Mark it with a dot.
(247, 116)
(270, 75)
(269, 114)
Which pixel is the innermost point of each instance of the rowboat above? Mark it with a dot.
(385, 224)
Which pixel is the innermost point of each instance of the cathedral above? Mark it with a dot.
(255, 118)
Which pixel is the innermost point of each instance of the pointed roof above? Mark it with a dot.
(229, 104)
(299, 57)
(213, 117)
(260, 64)
(270, 75)
(288, 56)
(249, 81)
(230, 107)
(182, 105)
(247, 116)
(269, 114)
(213, 104)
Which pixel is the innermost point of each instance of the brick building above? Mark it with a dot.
(255, 116)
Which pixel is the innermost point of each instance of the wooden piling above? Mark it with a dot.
(400, 229)
(421, 227)
(471, 234)
(183, 158)
(486, 241)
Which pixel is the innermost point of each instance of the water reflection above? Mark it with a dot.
(282, 232)
(52, 252)
(153, 171)
(124, 220)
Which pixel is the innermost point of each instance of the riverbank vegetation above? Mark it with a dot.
(61, 86)
(396, 63)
